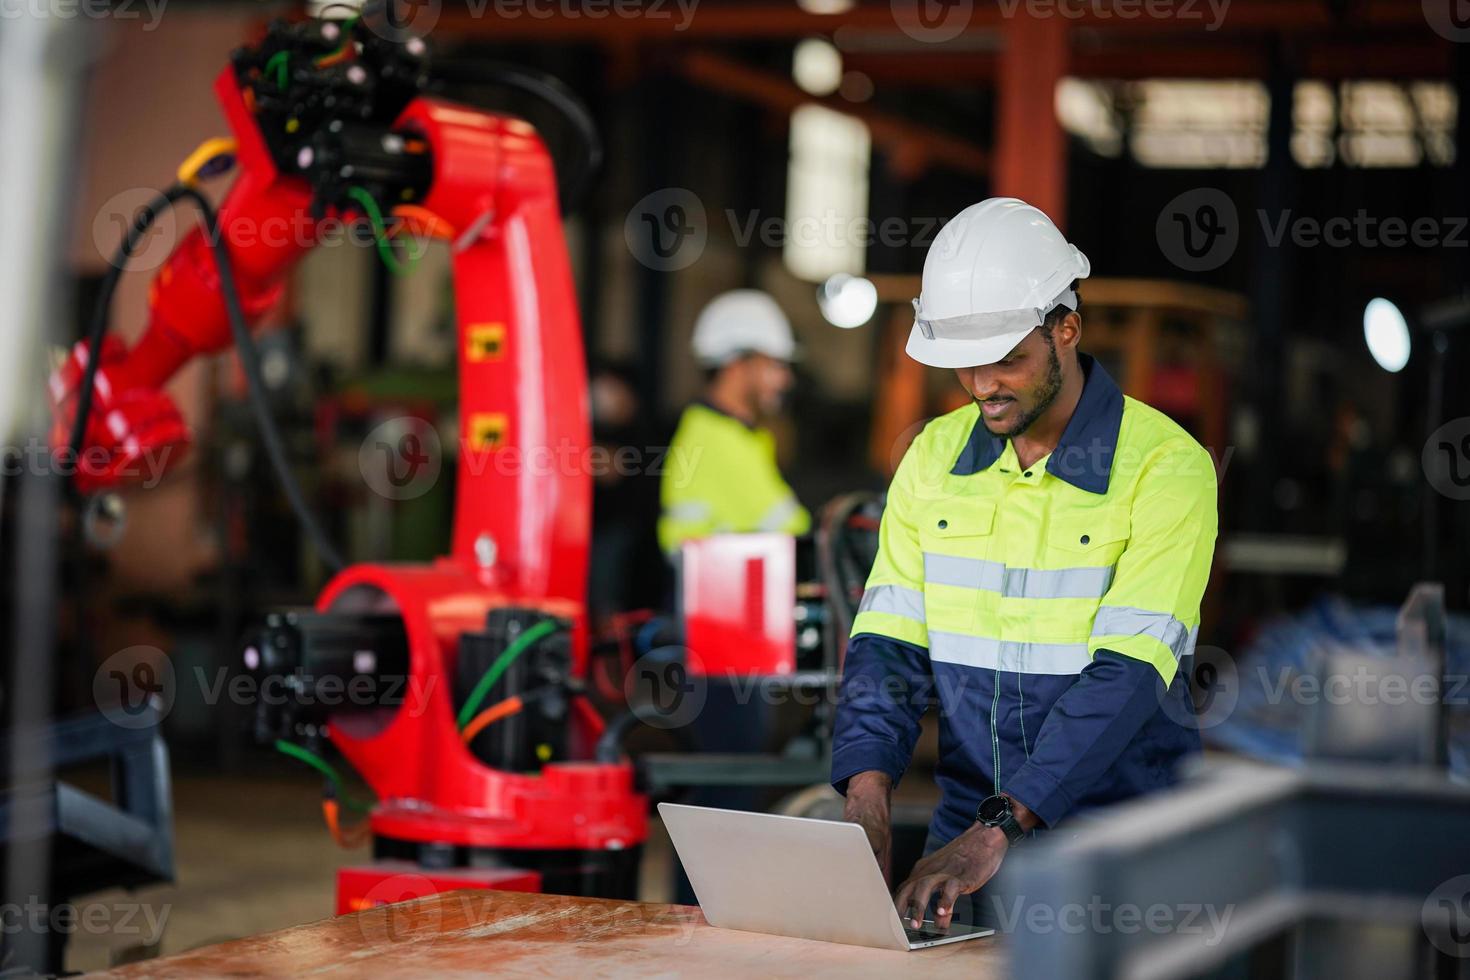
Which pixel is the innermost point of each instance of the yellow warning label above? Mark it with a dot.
(485, 342)
(487, 430)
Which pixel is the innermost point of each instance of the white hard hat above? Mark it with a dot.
(990, 278)
(742, 321)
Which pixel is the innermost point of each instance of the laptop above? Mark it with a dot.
(790, 876)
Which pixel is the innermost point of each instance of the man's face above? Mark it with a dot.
(768, 380)
(1013, 392)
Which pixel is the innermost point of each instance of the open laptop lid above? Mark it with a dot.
(785, 876)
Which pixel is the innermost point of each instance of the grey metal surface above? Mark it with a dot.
(1385, 709)
(1376, 709)
(1243, 853)
(129, 838)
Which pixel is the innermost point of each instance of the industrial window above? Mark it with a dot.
(826, 194)
(1210, 124)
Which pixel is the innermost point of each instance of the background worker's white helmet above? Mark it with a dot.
(991, 276)
(740, 322)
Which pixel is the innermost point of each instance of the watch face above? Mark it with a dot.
(994, 809)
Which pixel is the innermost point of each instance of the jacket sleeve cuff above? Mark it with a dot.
(1040, 793)
(864, 755)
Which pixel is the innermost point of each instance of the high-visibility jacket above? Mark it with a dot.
(720, 477)
(1045, 611)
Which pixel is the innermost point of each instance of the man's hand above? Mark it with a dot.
(868, 805)
(958, 868)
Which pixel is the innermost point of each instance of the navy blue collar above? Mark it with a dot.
(706, 403)
(1084, 454)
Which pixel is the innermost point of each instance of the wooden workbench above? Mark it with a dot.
(514, 934)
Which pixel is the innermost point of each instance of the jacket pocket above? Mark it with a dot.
(955, 535)
(1088, 539)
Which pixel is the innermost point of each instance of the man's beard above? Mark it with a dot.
(1045, 394)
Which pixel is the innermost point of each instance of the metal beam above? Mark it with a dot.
(917, 146)
(1210, 57)
(771, 20)
(1031, 149)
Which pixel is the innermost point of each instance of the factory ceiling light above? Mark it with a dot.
(847, 301)
(1387, 334)
(816, 66)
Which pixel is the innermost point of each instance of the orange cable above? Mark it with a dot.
(345, 838)
(422, 221)
(504, 709)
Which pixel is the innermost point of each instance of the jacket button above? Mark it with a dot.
(1027, 473)
(943, 525)
(1085, 539)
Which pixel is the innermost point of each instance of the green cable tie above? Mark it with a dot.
(385, 247)
(325, 768)
(499, 667)
(278, 64)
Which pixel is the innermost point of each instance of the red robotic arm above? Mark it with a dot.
(267, 225)
(523, 496)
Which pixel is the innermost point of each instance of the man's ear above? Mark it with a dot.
(1067, 333)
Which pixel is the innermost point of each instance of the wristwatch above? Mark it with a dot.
(996, 811)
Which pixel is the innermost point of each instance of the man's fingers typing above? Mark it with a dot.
(948, 894)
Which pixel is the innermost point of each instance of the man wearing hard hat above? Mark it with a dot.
(721, 475)
(1041, 562)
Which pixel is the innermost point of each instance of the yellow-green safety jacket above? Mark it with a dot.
(1045, 611)
(721, 477)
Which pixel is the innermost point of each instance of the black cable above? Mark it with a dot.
(551, 90)
(101, 312)
(270, 436)
(610, 744)
(249, 355)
